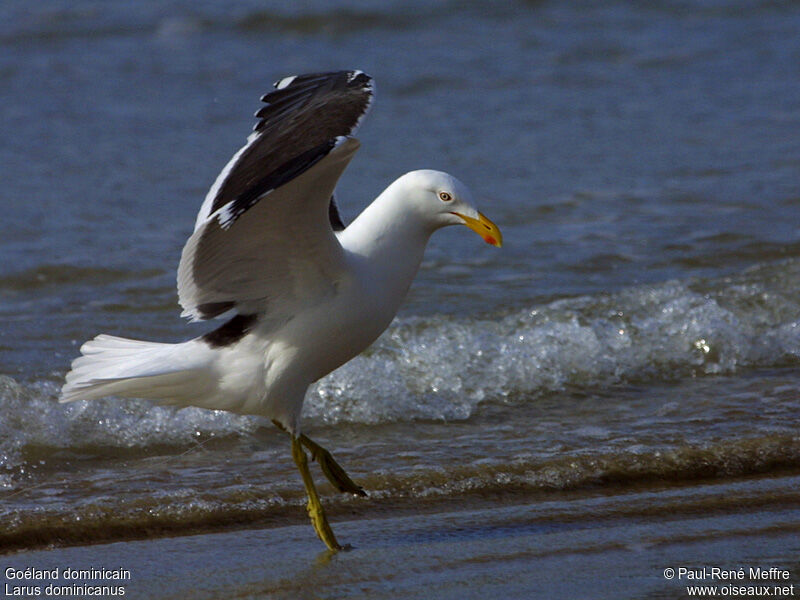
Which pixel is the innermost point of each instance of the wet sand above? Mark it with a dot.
(614, 544)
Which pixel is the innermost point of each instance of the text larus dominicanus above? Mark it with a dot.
(303, 294)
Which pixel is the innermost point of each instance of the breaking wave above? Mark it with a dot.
(442, 368)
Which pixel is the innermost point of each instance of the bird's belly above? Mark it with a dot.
(333, 335)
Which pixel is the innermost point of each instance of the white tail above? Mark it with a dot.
(169, 373)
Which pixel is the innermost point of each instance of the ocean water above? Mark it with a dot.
(619, 380)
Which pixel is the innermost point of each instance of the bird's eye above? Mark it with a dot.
(445, 197)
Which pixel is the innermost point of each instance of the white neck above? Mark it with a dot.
(388, 240)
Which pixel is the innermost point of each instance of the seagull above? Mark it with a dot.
(297, 292)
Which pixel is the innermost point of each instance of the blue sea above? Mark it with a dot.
(611, 394)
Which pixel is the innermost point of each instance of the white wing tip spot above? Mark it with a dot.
(226, 216)
(285, 82)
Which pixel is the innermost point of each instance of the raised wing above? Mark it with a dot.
(264, 238)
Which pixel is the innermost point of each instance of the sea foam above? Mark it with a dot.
(442, 368)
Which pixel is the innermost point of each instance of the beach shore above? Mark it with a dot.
(572, 545)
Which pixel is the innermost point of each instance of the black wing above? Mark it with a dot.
(264, 239)
(299, 125)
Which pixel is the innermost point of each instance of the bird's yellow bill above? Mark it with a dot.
(484, 228)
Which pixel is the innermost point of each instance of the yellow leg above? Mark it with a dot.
(330, 468)
(335, 474)
(315, 510)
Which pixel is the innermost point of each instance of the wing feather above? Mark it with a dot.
(278, 256)
(311, 110)
(264, 239)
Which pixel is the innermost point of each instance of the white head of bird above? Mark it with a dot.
(434, 199)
